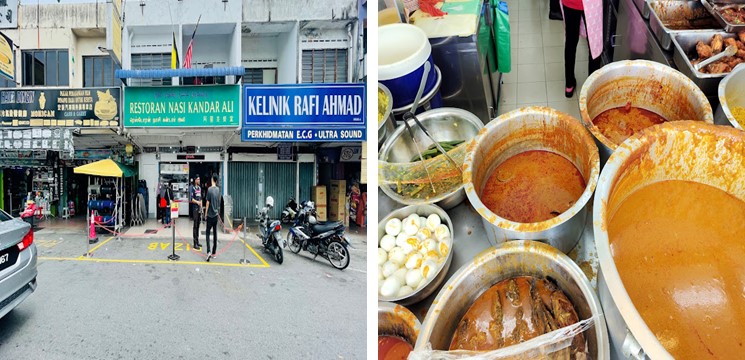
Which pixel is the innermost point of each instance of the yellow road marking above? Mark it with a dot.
(96, 247)
(127, 261)
(254, 251)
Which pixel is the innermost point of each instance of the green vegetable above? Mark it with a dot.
(432, 150)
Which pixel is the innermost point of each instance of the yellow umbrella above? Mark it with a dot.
(106, 167)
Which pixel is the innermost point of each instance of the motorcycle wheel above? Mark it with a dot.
(278, 255)
(338, 255)
(294, 243)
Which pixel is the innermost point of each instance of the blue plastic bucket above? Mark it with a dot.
(429, 101)
(402, 51)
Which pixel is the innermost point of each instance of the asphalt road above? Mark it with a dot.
(146, 308)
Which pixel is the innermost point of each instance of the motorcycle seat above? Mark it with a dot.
(327, 226)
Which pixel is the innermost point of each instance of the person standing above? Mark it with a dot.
(576, 14)
(195, 198)
(168, 197)
(554, 10)
(212, 210)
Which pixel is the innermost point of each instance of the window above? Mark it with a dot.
(260, 76)
(46, 68)
(99, 71)
(150, 62)
(325, 66)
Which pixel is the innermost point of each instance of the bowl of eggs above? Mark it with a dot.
(414, 253)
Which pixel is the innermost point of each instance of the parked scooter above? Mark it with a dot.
(290, 211)
(325, 239)
(270, 237)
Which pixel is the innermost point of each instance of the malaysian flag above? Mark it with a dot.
(187, 57)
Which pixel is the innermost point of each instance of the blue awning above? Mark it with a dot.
(181, 73)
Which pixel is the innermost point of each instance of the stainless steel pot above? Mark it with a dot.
(444, 124)
(731, 94)
(396, 320)
(685, 48)
(681, 150)
(532, 128)
(514, 258)
(387, 124)
(646, 84)
(427, 290)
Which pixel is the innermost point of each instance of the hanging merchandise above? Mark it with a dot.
(502, 33)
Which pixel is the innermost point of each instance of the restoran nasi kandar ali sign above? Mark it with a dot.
(304, 113)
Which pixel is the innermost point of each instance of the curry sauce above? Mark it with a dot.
(679, 248)
(533, 186)
(618, 124)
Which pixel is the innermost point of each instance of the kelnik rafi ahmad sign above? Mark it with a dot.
(304, 113)
(182, 106)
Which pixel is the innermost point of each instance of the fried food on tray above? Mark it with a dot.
(717, 44)
(704, 51)
(734, 14)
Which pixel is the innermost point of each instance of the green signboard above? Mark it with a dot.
(182, 106)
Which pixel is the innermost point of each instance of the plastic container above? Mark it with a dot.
(402, 51)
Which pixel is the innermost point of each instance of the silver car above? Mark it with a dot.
(17, 262)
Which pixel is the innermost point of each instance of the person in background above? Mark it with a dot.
(212, 210)
(554, 10)
(168, 197)
(581, 15)
(195, 199)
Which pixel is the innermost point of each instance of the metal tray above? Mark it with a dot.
(685, 43)
(671, 16)
(713, 5)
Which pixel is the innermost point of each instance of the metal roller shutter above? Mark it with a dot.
(307, 180)
(243, 186)
(280, 184)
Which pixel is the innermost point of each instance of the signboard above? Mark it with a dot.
(284, 152)
(36, 139)
(39, 107)
(92, 154)
(350, 154)
(182, 106)
(7, 58)
(304, 113)
(114, 31)
(8, 14)
(189, 157)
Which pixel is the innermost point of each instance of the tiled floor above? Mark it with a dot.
(537, 76)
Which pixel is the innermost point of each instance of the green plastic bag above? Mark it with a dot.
(502, 32)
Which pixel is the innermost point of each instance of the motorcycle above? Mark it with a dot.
(270, 237)
(290, 211)
(324, 239)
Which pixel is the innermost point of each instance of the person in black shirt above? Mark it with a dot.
(169, 198)
(195, 200)
(212, 210)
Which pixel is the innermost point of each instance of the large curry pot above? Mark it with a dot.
(680, 150)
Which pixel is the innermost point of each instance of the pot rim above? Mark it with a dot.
(389, 108)
(620, 297)
(514, 247)
(445, 219)
(540, 226)
(723, 98)
(583, 95)
(392, 137)
(402, 313)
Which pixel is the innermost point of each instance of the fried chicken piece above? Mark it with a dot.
(718, 67)
(704, 51)
(741, 54)
(730, 41)
(732, 61)
(716, 43)
(741, 36)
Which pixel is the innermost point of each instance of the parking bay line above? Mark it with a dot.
(128, 261)
(254, 252)
(97, 246)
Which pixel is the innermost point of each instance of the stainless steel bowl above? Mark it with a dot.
(681, 150)
(731, 94)
(434, 283)
(685, 48)
(532, 128)
(647, 85)
(444, 124)
(396, 320)
(514, 258)
(387, 124)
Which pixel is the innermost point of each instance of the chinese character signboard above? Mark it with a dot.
(182, 106)
(304, 113)
(36, 139)
(89, 107)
